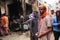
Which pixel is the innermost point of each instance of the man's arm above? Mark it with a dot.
(27, 21)
(54, 22)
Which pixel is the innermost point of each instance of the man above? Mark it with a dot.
(44, 24)
(33, 20)
(56, 25)
(52, 13)
(4, 20)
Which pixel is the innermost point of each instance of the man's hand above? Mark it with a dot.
(37, 34)
(44, 33)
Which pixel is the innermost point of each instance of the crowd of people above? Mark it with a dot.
(44, 24)
(41, 23)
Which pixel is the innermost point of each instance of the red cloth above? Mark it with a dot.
(3, 20)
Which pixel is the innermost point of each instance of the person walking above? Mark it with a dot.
(33, 20)
(56, 25)
(4, 20)
(44, 24)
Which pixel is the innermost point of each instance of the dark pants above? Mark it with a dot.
(56, 35)
(22, 29)
(33, 37)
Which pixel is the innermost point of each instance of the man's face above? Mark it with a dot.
(35, 13)
(52, 11)
(42, 11)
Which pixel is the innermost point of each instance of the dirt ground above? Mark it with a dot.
(17, 36)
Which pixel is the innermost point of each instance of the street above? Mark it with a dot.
(17, 36)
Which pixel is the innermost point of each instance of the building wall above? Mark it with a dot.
(4, 8)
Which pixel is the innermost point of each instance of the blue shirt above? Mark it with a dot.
(54, 24)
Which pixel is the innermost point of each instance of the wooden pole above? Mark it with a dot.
(24, 8)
